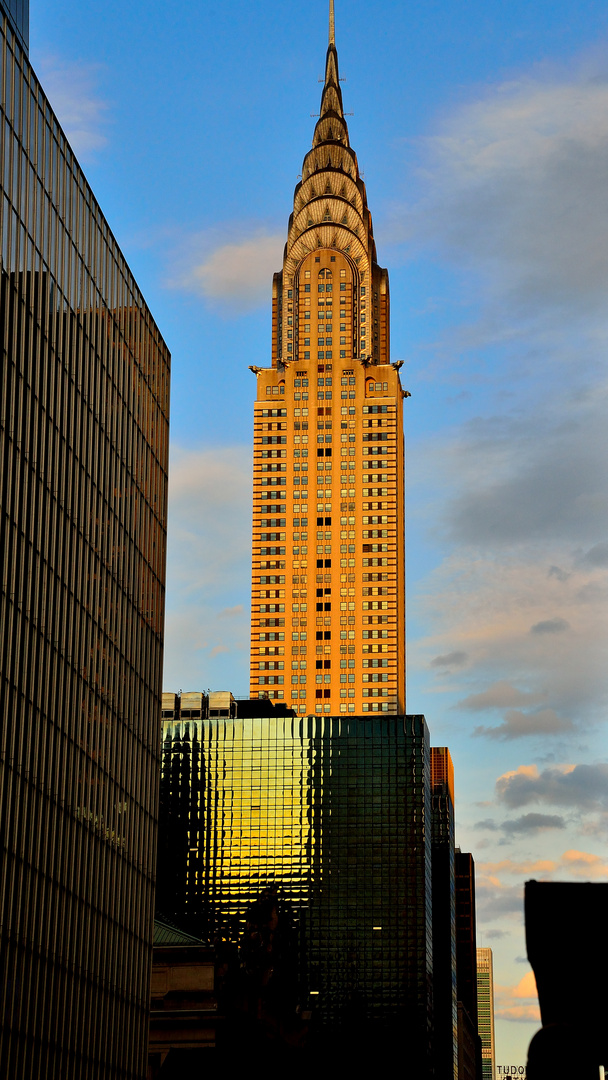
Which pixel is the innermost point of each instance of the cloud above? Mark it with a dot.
(532, 823)
(451, 659)
(495, 900)
(572, 864)
(71, 90)
(517, 725)
(230, 612)
(526, 824)
(483, 603)
(235, 273)
(550, 626)
(557, 572)
(217, 650)
(582, 787)
(495, 935)
(517, 183)
(515, 190)
(597, 555)
(537, 477)
(208, 566)
(518, 1002)
(209, 517)
(585, 865)
(498, 696)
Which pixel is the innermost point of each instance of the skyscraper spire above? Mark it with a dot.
(332, 24)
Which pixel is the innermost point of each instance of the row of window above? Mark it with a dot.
(371, 387)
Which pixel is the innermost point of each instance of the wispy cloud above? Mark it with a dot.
(228, 268)
(572, 864)
(517, 724)
(71, 88)
(516, 181)
(208, 562)
(515, 192)
(209, 516)
(454, 659)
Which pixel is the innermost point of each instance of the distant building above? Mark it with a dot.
(485, 1012)
(327, 815)
(84, 417)
(445, 1010)
(469, 1043)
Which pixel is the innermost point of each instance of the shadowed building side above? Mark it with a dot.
(84, 411)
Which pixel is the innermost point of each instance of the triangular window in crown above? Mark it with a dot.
(327, 216)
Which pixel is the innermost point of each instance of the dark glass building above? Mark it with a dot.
(84, 398)
(469, 1043)
(328, 814)
(445, 1006)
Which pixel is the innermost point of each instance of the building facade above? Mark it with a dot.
(84, 398)
(485, 1012)
(445, 1001)
(469, 1043)
(328, 570)
(329, 814)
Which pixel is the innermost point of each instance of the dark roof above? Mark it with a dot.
(166, 933)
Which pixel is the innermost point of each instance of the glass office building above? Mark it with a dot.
(330, 815)
(84, 397)
(445, 1001)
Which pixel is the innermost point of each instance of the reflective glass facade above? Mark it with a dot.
(445, 1002)
(330, 811)
(83, 482)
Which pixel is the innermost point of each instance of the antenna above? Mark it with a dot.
(332, 24)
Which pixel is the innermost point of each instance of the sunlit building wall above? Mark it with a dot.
(84, 398)
(328, 569)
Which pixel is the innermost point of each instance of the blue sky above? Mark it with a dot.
(482, 130)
